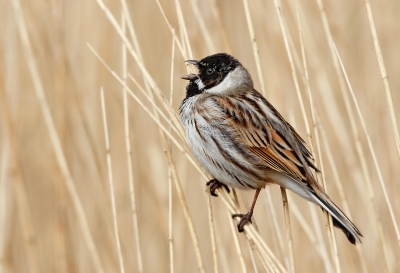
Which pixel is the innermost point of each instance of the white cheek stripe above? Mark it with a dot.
(200, 84)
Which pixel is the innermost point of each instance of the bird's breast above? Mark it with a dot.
(215, 148)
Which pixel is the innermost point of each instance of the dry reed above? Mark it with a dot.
(149, 210)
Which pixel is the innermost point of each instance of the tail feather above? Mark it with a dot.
(339, 219)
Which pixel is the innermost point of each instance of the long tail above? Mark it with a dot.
(339, 219)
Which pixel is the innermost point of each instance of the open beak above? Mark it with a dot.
(196, 63)
(189, 77)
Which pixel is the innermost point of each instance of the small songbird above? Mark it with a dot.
(243, 141)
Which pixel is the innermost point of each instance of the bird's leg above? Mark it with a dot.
(215, 184)
(245, 218)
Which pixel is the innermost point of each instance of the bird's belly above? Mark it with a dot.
(218, 155)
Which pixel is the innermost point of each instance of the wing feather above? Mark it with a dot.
(264, 132)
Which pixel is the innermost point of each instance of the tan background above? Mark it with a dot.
(39, 225)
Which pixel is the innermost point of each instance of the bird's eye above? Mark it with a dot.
(210, 71)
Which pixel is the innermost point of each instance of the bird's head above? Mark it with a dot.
(219, 74)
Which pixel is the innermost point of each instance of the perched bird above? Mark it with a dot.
(243, 141)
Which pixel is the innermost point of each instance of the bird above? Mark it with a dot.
(243, 142)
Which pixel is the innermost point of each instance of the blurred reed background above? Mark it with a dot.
(60, 210)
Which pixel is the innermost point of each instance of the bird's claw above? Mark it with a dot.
(244, 219)
(214, 184)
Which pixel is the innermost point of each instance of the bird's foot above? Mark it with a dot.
(244, 219)
(215, 184)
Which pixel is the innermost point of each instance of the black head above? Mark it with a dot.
(213, 69)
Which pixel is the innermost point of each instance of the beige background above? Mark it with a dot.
(40, 230)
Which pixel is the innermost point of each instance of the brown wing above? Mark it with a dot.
(279, 158)
(300, 143)
(260, 128)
